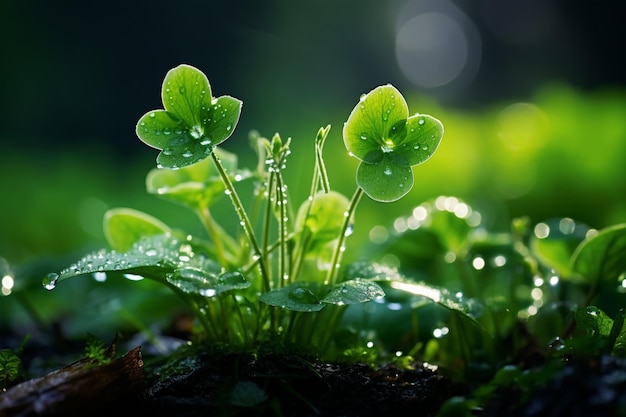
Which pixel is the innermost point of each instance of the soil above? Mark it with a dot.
(272, 384)
(230, 385)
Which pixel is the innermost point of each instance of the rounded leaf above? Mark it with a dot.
(193, 122)
(125, 226)
(601, 257)
(185, 92)
(386, 181)
(323, 216)
(370, 127)
(423, 133)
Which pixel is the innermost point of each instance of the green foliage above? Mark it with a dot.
(96, 351)
(11, 368)
(380, 133)
(279, 277)
(193, 122)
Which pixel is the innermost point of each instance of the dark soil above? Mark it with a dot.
(295, 386)
(222, 384)
(273, 384)
(582, 388)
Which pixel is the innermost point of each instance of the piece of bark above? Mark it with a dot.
(79, 389)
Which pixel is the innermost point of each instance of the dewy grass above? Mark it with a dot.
(285, 282)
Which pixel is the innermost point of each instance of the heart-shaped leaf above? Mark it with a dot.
(384, 181)
(388, 143)
(192, 123)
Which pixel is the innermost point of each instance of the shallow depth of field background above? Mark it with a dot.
(532, 95)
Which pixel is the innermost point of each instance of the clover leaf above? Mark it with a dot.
(193, 121)
(388, 142)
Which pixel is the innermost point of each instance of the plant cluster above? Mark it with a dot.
(539, 296)
(280, 277)
(493, 308)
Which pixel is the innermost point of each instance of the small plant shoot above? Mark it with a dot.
(281, 277)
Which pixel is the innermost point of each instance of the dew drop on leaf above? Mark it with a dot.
(303, 295)
(50, 281)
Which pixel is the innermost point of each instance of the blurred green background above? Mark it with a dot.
(531, 95)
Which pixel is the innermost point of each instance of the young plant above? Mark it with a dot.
(279, 277)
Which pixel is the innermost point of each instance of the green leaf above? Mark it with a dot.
(353, 292)
(125, 226)
(193, 122)
(385, 181)
(601, 258)
(154, 257)
(371, 271)
(295, 297)
(594, 321)
(369, 126)
(185, 92)
(323, 216)
(554, 243)
(390, 276)
(420, 141)
(195, 280)
(388, 143)
(195, 186)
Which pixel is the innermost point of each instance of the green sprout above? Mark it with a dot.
(380, 133)
(279, 276)
(193, 122)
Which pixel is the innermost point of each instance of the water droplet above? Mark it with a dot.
(152, 114)
(303, 295)
(50, 281)
(362, 98)
(205, 141)
(182, 90)
(168, 150)
(416, 147)
(196, 132)
(387, 171)
(363, 137)
(228, 128)
(187, 153)
(421, 122)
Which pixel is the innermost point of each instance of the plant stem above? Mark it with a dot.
(243, 217)
(341, 239)
(283, 270)
(218, 235)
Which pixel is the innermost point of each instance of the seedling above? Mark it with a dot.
(280, 277)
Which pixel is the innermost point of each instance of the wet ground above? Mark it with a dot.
(221, 384)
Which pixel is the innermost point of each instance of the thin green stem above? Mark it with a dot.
(266, 221)
(243, 217)
(283, 253)
(217, 234)
(341, 239)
